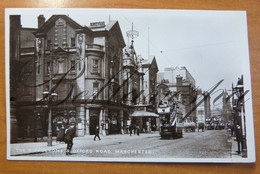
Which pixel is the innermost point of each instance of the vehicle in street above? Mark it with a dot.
(201, 126)
(171, 126)
(189, 126)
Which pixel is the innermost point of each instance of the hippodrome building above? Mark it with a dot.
(88, 69)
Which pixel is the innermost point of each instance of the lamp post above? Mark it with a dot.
(51, 97)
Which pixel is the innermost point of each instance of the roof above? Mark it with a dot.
(144, 114)
(54, 18)
(109, 27)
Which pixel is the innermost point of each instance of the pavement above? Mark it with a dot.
(233, 142)
(28, 148)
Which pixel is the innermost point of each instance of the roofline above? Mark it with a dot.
(65, 17)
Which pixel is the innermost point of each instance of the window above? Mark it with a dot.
(61, 65)
(73, 66)
(48, 44)
(48, 68)
(95, 89)
(72, 41)
(95, 66)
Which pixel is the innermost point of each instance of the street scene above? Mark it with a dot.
(213, 144)
(104, 87)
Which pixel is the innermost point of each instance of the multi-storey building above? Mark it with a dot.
(83, 65)
(140, 80)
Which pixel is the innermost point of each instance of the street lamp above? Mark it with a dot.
(50, 98)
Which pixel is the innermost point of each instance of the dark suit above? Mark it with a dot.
(68, 138)
(97, 133)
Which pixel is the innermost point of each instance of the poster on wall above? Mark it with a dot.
(128, 85)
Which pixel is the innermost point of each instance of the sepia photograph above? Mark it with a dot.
(128, 85)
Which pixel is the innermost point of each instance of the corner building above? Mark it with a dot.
(83, 66)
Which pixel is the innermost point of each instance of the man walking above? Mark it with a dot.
(68, 138)
(97, 133)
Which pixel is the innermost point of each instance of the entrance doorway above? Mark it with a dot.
(93, 120)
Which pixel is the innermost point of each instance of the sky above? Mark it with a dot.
(212, 45)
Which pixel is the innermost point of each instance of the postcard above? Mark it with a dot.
(128, 85)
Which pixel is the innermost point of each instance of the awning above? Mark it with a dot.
(144, 114)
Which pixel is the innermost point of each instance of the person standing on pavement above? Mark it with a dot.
(238, 138)
(61, 134)
(137, 130)
(97, 133)
(130, 129)
(134, 128)
(68, 138)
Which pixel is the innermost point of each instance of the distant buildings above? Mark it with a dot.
(180, 81)
(203, 108)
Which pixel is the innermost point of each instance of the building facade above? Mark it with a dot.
(82, 65)
(95, 80)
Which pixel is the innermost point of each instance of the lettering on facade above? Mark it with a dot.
(97, 24)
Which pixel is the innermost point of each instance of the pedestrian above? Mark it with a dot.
(61, 134)
(97, 133)
(154, 127)
(68, 138)
(134, 128)
(130, 129)
(137, 130)
(238, 138)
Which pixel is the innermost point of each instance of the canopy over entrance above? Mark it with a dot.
(144, 114)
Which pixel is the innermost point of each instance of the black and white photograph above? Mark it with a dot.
(128, 85)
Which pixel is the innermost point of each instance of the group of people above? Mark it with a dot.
(69, 133)
(67, 136)
(135, 129)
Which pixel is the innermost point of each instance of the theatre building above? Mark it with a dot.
(81, 66)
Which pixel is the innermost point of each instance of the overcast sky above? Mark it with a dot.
(212, 45)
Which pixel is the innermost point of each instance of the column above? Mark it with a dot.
(87, 121)
(105, 118)
(80, 111)
(129, 90)
(121, 120)
(13, 122)
(80, 44)
(102, 130)
(149, 125)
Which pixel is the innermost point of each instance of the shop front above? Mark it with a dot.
(144, 119)
(114, 121)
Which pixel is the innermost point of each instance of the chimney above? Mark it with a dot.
(41, 20)
(179, 80)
